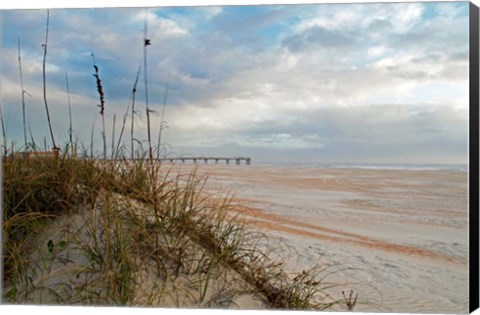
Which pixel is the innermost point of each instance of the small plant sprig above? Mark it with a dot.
(351, 301)
(101, 105)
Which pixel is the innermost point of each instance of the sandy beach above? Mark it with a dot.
(399, 237)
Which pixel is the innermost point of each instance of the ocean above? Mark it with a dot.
(379, 166)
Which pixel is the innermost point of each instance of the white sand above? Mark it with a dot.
(402, 236)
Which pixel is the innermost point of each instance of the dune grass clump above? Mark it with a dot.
(35, 190)
(94, 232)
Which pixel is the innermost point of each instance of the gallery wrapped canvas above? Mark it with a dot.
(301, 156)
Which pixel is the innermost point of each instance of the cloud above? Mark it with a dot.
(159, 26)
(319, 37)
(316, 79)
(377, 51)
(399, 16)
(395, 127)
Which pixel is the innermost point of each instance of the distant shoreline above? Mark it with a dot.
(380, 166)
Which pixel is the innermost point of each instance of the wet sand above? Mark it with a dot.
(400, 235)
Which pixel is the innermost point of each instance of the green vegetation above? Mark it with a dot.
(85, 231)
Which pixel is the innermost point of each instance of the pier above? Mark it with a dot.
(237, 160)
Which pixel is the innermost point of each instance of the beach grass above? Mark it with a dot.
(82, 231)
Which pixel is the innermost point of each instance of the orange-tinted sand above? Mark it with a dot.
(407, 231)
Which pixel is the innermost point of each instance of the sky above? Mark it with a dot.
(326, 83)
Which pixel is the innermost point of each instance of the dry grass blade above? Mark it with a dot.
(44, 76)
(134, 91)
(147, 42)
(162, 120)
(70, 126)
(23, 95)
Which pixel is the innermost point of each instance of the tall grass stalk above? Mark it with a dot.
(101, 105)
(1, 108)
(146, 42)
(70, 126)
(134, 91)
(23, 96)
(91, 136)
(124, 121)
(32, 139)
(2, 241)
(45, 46)
(162, 117)
(113, 136)
(4, 134)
